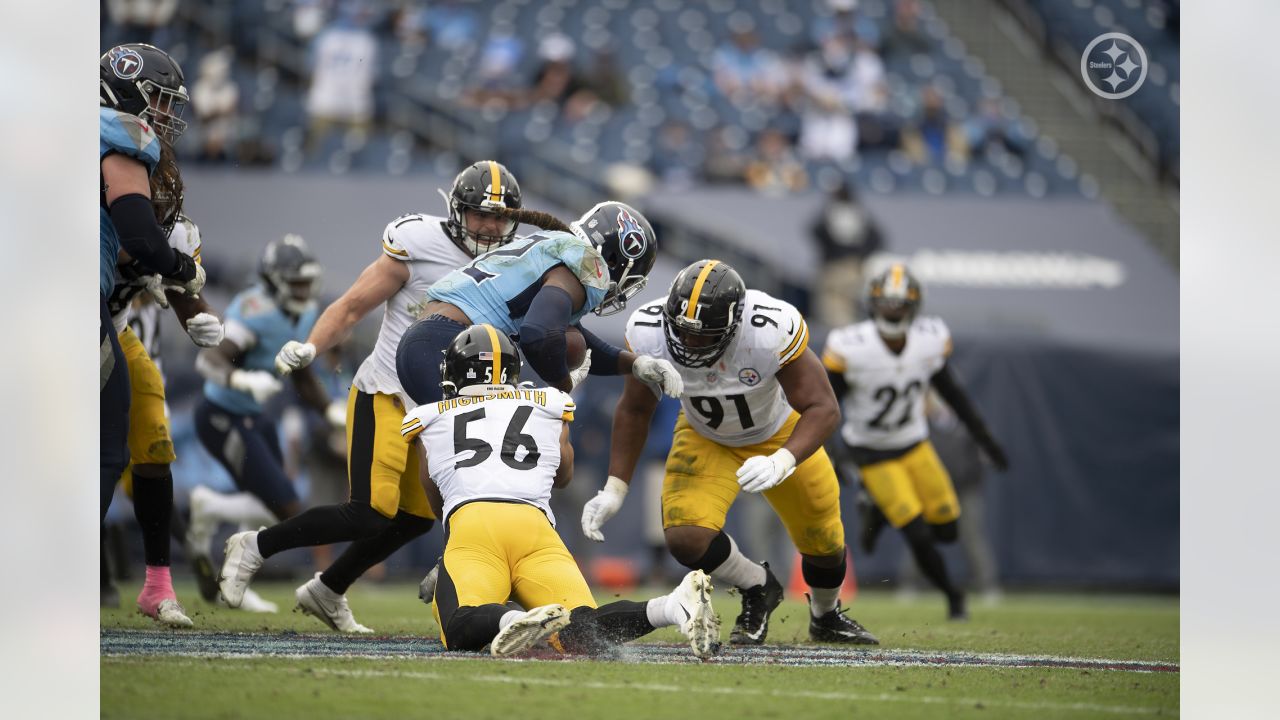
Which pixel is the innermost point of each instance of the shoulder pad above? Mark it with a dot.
(185, 237)
(775, 324)
(643, 336)
(254, 303)
(579, 255)
(417, 419)
(128, 135)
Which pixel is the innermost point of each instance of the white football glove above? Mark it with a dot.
(656, 371)
(761, 472)
(336, 414)
(603, 506)
(205, 330)
(579, 374)
(155, 288)
(258, 383)
(294, 356)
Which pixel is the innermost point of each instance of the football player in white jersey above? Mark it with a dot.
(387, 507)
(495, 450)
(755, 413)
(883, 368)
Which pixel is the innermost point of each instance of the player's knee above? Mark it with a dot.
(411, 526)
(917, 531)
(150, 471)
(946, 532)
(688, 544)
(364, 520)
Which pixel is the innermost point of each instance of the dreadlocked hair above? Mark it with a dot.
(544, 220)
(166, 188)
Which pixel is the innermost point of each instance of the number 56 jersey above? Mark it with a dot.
(502, 447)
(737, 401)
(885, 406)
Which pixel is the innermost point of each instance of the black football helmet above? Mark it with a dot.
(481, 360)
(290, 273)
(481, 186)
(628, 245)
(702, 312)
(143, 80)
(895, 297)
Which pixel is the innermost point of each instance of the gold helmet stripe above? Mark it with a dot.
(692, 311)
(895, 279)
(497, 354)
(495, 182)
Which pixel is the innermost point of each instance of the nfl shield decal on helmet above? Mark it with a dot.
(126, 64)
(749, 376)
(633, 240)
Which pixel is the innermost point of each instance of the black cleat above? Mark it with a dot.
(206, 577)
(957, 609)
(873, 521)
(758, 603)
(836, 627)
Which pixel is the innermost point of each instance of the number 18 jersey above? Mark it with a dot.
(503, 447)
(737, 401)
(884, 409)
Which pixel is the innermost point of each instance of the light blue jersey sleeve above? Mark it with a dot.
(257, 324)
(128, 135)
(498, 287)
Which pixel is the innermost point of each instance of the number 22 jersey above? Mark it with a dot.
(500, 447)
(737, 401)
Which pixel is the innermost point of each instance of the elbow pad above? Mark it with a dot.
(542, 333)
(143, 238)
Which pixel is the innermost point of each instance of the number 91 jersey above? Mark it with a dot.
(738, 401)
(493, 447)
(885, 406)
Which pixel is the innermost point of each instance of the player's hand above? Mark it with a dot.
(258, 383)
(603, 506)
(189, 277)
(294, 356)
(579, 374)
(205, 330)
(155, 288)
(761, 472)
(656, 371)
(336, 414)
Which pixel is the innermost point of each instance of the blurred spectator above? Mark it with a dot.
(844, 20)
(309, 17)
(990, 129)
(906, 37)
(605, 80)
(933, 137)
(745, 72)
(677, 159)
(216, 99)
(446, 24)
(775, 169)
(142, 21)
(845, 90)
(343, 72)
(846, 235)
(725, 161)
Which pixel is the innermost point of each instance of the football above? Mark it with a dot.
(575, 348)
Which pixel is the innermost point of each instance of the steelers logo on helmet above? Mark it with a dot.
(126, 63)
(634, 242)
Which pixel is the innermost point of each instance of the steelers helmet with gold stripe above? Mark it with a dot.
(895, 299)
(702, 312)
(480, 187)
(480, 361)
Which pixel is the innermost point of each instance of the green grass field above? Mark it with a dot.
(1111, 627)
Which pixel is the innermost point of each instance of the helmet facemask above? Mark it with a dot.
(619, 292)
(694, 342)
(164, 109)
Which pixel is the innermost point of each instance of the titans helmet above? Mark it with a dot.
(628, 245)
(894, 298)
(480, 361)
(702, 312)
(482, 186)
(142, 80)
(290, 273)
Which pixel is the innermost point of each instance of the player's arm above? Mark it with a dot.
(564, 473)
(310, 390)
(197, 317)
(631, 421)
(543, 326)
(809, 392)
(128, 198)
(219, 364)
(958, 400)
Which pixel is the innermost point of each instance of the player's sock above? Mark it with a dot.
(735, 569)
(920, 540)
(152, 506)
(323, 525)
(824, 585)
(157, 587)
(624, 620)
(659, 613)
(367, 552)
(509, 617)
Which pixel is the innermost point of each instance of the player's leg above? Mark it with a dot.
(941, 511)
(808, 503)
(418, 357)
(475, 580)
(699, 487)
(113, 410)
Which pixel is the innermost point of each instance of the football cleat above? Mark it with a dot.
(837, 627)
(206, 577)
(758, 603)
(427, 588)
(700, 625)
(239, 568)
(253, 602)
(317, 600)
(957, 608)
(533, 628)
(169, 612)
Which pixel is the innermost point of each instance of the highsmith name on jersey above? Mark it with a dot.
(420, 242)
(185, 238)
(737, 401)
(498, 287)
(500, 447)
(885, 406)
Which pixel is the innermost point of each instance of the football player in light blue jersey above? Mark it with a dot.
(240, 374)
(536, 287)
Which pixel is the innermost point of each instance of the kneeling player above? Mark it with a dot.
(494, 452)
(756, 409)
